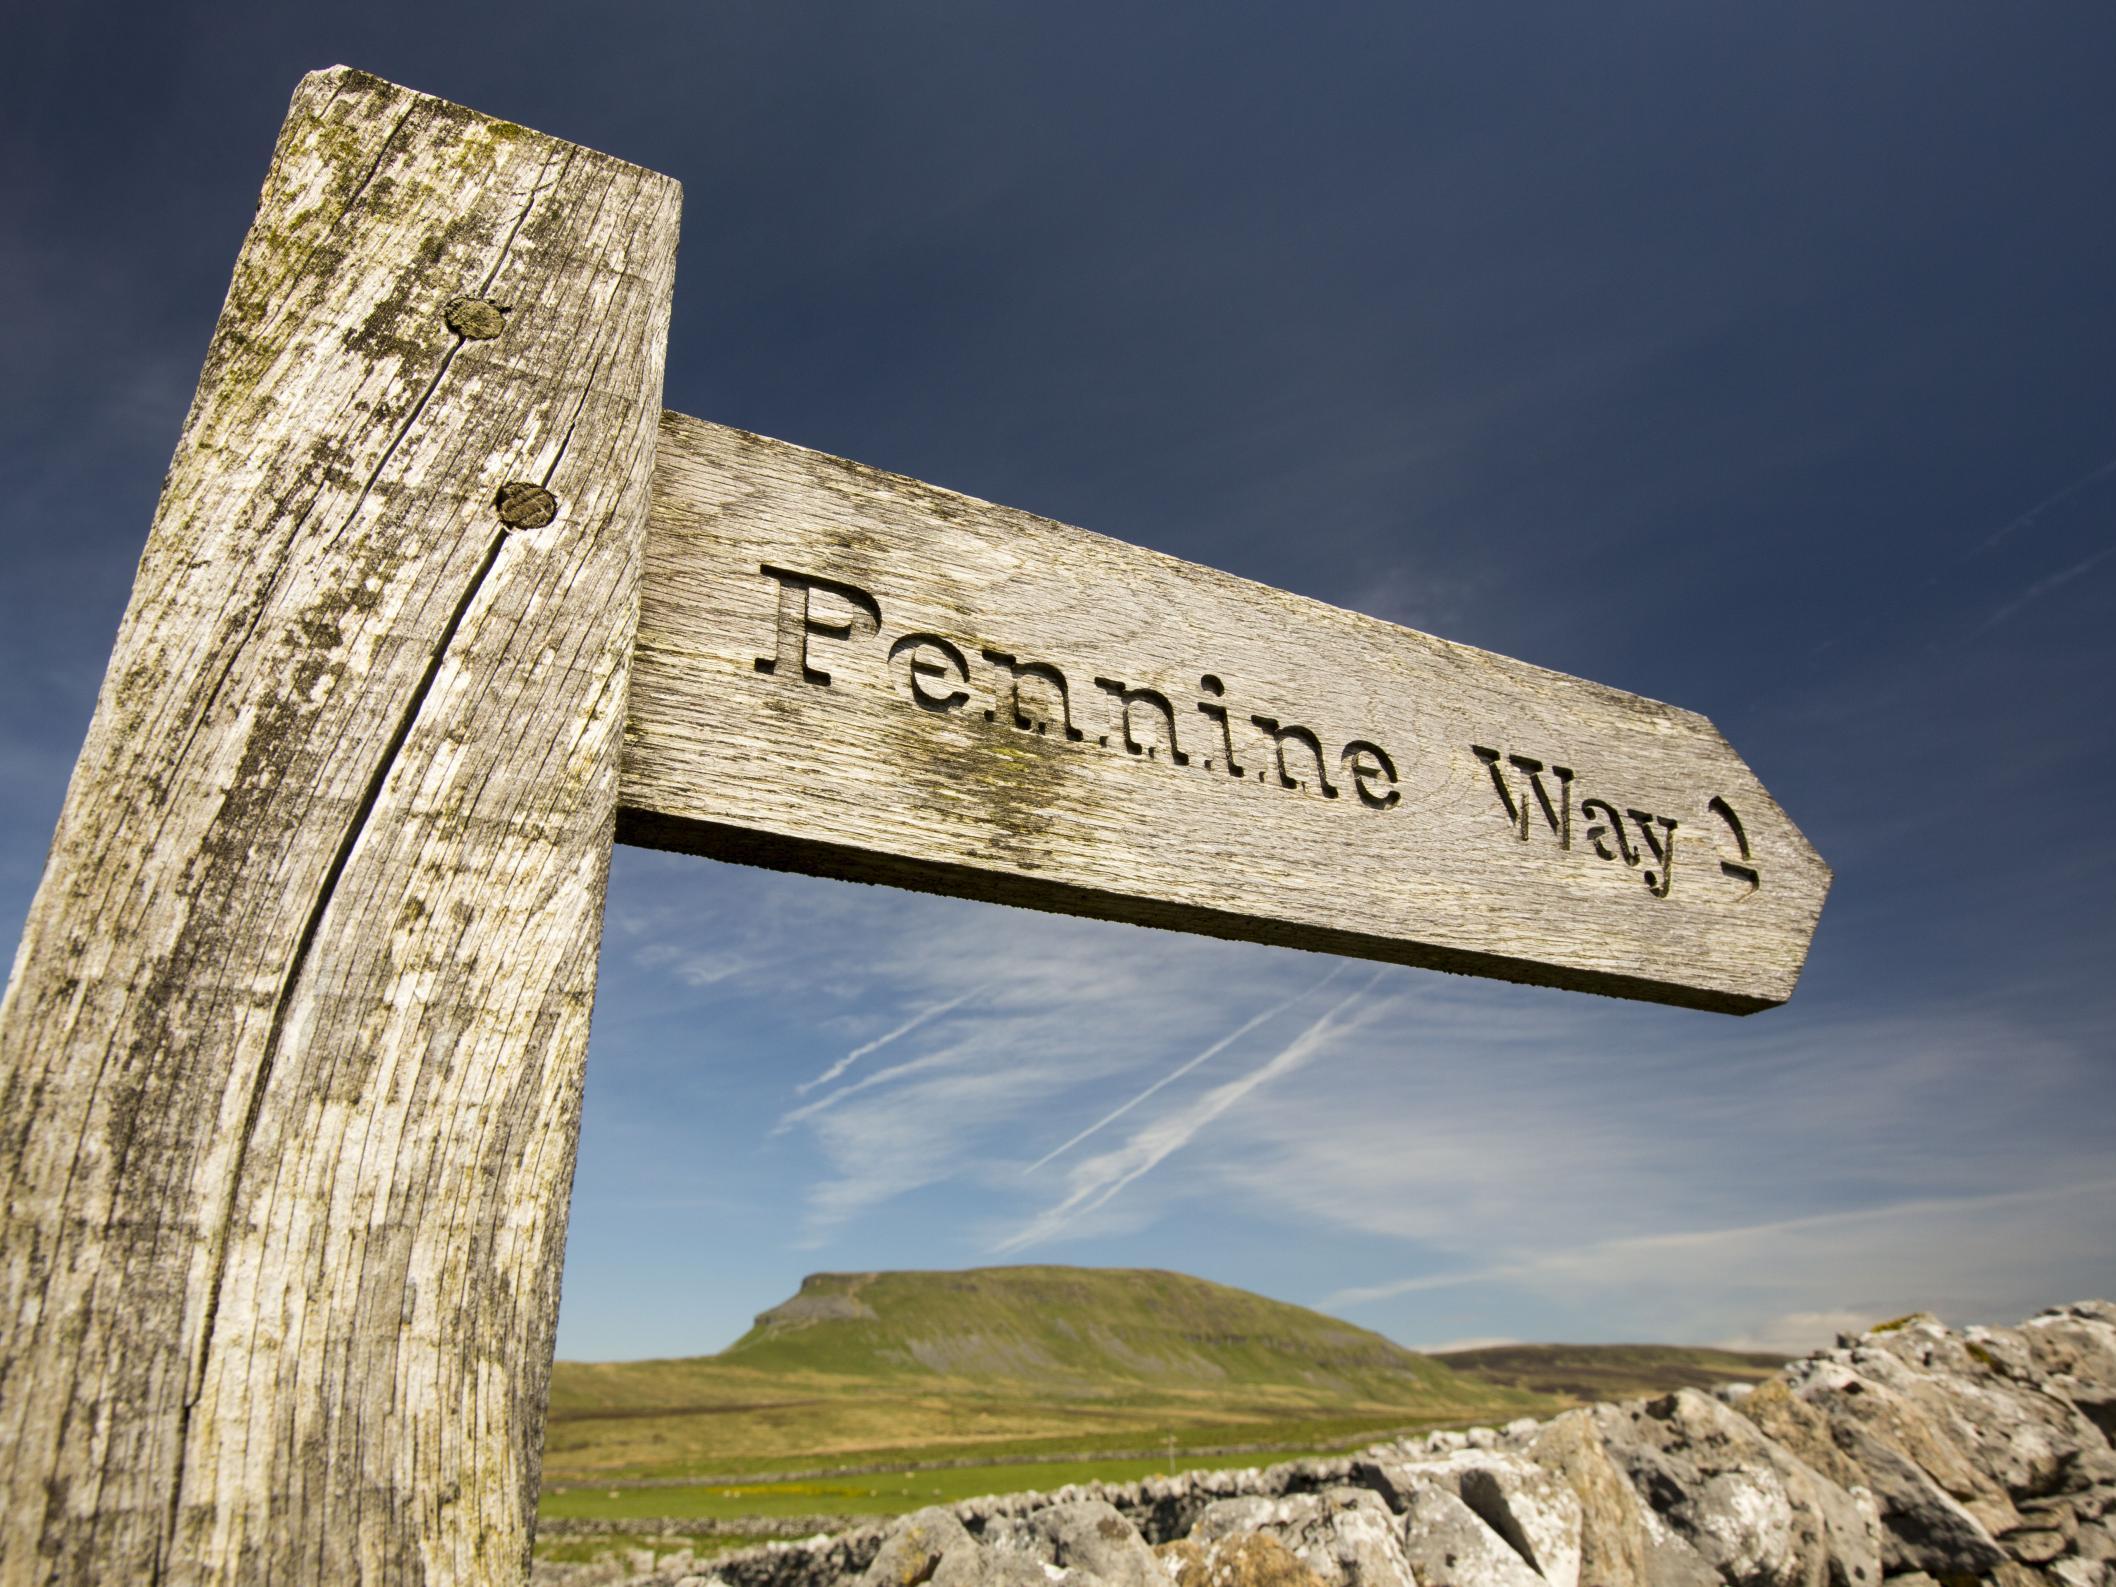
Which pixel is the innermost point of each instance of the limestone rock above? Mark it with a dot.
(1939, 1511)
(1759, 1516)
(1449, 1546)
(2019, 1441)
(973, 1566)
(1346, 1536)
(1622, 1543)
(1086, 1538)
(2073, 1349)
(1798, 1427)
(1254, 1559)
(1534, 1513)
(911, 1552)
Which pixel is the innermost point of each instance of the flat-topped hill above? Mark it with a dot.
(880, 1366)
(1081, 1331)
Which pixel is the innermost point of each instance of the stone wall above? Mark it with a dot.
(1914, 1455)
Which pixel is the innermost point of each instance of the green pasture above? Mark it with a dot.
(880, 1493)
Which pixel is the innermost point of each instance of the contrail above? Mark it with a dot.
(884, 1040)
(866, 1082)
(1154, 1144)
(2052, 500)
(2044, 586)
(1184, 1068)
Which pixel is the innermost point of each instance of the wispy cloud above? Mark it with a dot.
(1099, 1179)
(1065, 1007)
(2055, 499)
(906, 1028)
(1605, 1256)
(2044, 586)
(1186, 1067)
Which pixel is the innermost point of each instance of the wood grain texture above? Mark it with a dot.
(290, 1060)
(1398, 797)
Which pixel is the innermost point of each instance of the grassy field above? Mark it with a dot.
(861, 1422)
(870, 1494)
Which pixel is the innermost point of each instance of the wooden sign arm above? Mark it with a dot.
(290, 1059)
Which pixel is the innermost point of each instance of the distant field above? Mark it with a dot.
(859, 1422)
(873, 1494)
(1587, 1373)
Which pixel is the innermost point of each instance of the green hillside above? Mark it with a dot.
(993, 1363)
(1608, 1372)
(1077, 1331)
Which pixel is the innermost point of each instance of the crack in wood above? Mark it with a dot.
(297, 966)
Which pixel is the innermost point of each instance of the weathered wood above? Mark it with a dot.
(290, 1061)
(851, 673)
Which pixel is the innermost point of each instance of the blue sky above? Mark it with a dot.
(1755, 357)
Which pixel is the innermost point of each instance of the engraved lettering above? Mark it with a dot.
(1663, 850)
(796, 621)
(1517, 816)
(1614, 829)
(1126, 698)
(1034, 697)
(1369, 764)
(953, 667)
(1560, 819)
(1218, 713)
(1557, 813)
(1043, 672)
(1743, 872)
(1299, 735)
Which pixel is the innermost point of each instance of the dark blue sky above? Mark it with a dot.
(1761, 358)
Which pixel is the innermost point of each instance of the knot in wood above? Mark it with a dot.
(523, 505)
(474, 319)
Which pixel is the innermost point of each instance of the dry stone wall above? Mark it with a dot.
(1912, 1456)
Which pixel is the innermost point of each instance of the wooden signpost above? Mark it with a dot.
(290, 1059)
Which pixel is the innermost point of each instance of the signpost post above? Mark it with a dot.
(290, 1059)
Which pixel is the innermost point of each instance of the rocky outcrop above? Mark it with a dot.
(1912, 1456)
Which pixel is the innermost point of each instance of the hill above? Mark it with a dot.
(986, 1363)
(1078, 1331)
(1608, 1372)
